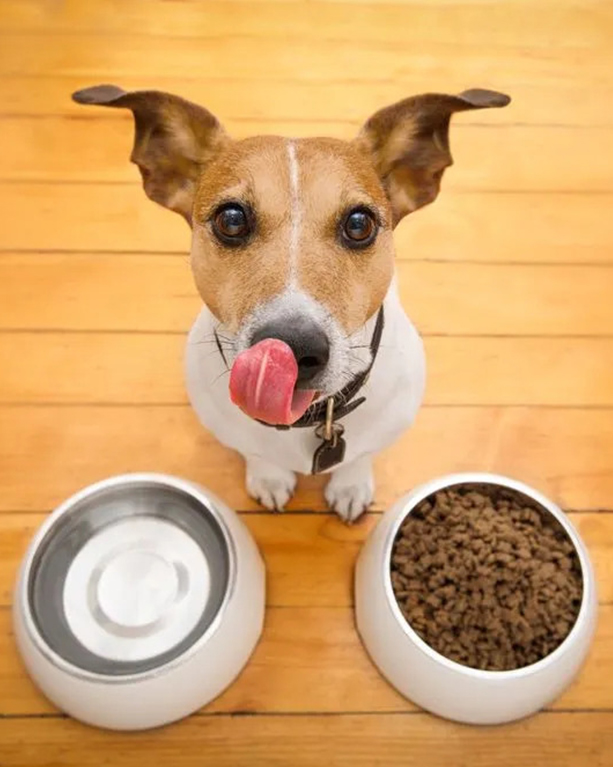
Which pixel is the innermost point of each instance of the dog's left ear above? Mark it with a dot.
(409, 144)
(173, 141)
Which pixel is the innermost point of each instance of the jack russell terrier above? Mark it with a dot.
(302, 358)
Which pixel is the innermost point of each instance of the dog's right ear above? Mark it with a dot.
(408, 143)
(173, 140)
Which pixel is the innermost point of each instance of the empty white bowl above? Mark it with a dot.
(139, 600)
(431, 680)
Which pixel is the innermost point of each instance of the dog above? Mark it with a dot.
(302, 358)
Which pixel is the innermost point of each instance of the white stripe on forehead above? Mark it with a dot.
(295, 212)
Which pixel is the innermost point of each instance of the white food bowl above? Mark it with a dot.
(434, 682)
(139, 600)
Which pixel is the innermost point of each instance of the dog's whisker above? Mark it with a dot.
(218, 329)
(221, 375)
(220, 335)
(212, 353)
(224, 345)
(207, 341)
(367, 346)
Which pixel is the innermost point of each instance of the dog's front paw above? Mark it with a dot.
(268, 484)
(351, 490)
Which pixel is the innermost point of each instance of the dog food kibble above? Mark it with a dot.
(486, 577)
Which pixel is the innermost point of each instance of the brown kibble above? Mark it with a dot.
(486, 577)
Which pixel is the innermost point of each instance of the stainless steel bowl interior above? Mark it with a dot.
(104, 508)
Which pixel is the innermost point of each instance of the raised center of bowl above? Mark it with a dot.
(136, 588)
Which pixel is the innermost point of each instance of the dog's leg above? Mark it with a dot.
(351, 489)
(268, 484)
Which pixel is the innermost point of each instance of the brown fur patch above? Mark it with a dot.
(233, 281)
(351, 284)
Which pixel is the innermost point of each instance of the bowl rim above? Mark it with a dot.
(408, 504)
(22, 602)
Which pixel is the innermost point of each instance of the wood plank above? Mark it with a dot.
(487, 157)
(311, 659)
(502, 299)
(92, 367)
(344, 97)
(291, 543)
(48, 452)
(95, 368)
(156, 293)
(230, 56)
(311, 741)
(499, 23)
(519, 371)
(73, 217)
(513, 228)
(70, 291)
(545, 228)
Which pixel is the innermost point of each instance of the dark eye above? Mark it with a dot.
(359, 228)
(231, 224)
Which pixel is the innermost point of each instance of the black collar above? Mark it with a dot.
(344, 402)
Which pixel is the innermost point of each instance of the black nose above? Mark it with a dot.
(308, 342)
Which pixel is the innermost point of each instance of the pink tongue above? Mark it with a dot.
(262, 383)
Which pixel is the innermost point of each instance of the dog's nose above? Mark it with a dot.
(308, 342)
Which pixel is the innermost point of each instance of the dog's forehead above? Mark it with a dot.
(265, 166)
(334, 172)
(340, 160)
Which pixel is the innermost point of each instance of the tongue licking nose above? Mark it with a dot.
(263, 380)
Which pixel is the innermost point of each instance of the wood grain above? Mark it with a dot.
(238, 56)
(563, 739)
(584, 23)
(75, 292)
(48, 452)
(82, 368)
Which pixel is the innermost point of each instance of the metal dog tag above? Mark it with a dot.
(331, 452)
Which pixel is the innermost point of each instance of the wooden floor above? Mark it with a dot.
(509, 276)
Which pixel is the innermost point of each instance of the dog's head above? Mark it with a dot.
(291, 239)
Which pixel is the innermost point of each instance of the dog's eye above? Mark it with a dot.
(231, 224)
(359, 228)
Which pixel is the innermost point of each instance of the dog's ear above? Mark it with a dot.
(173, 140)
(409, 144)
